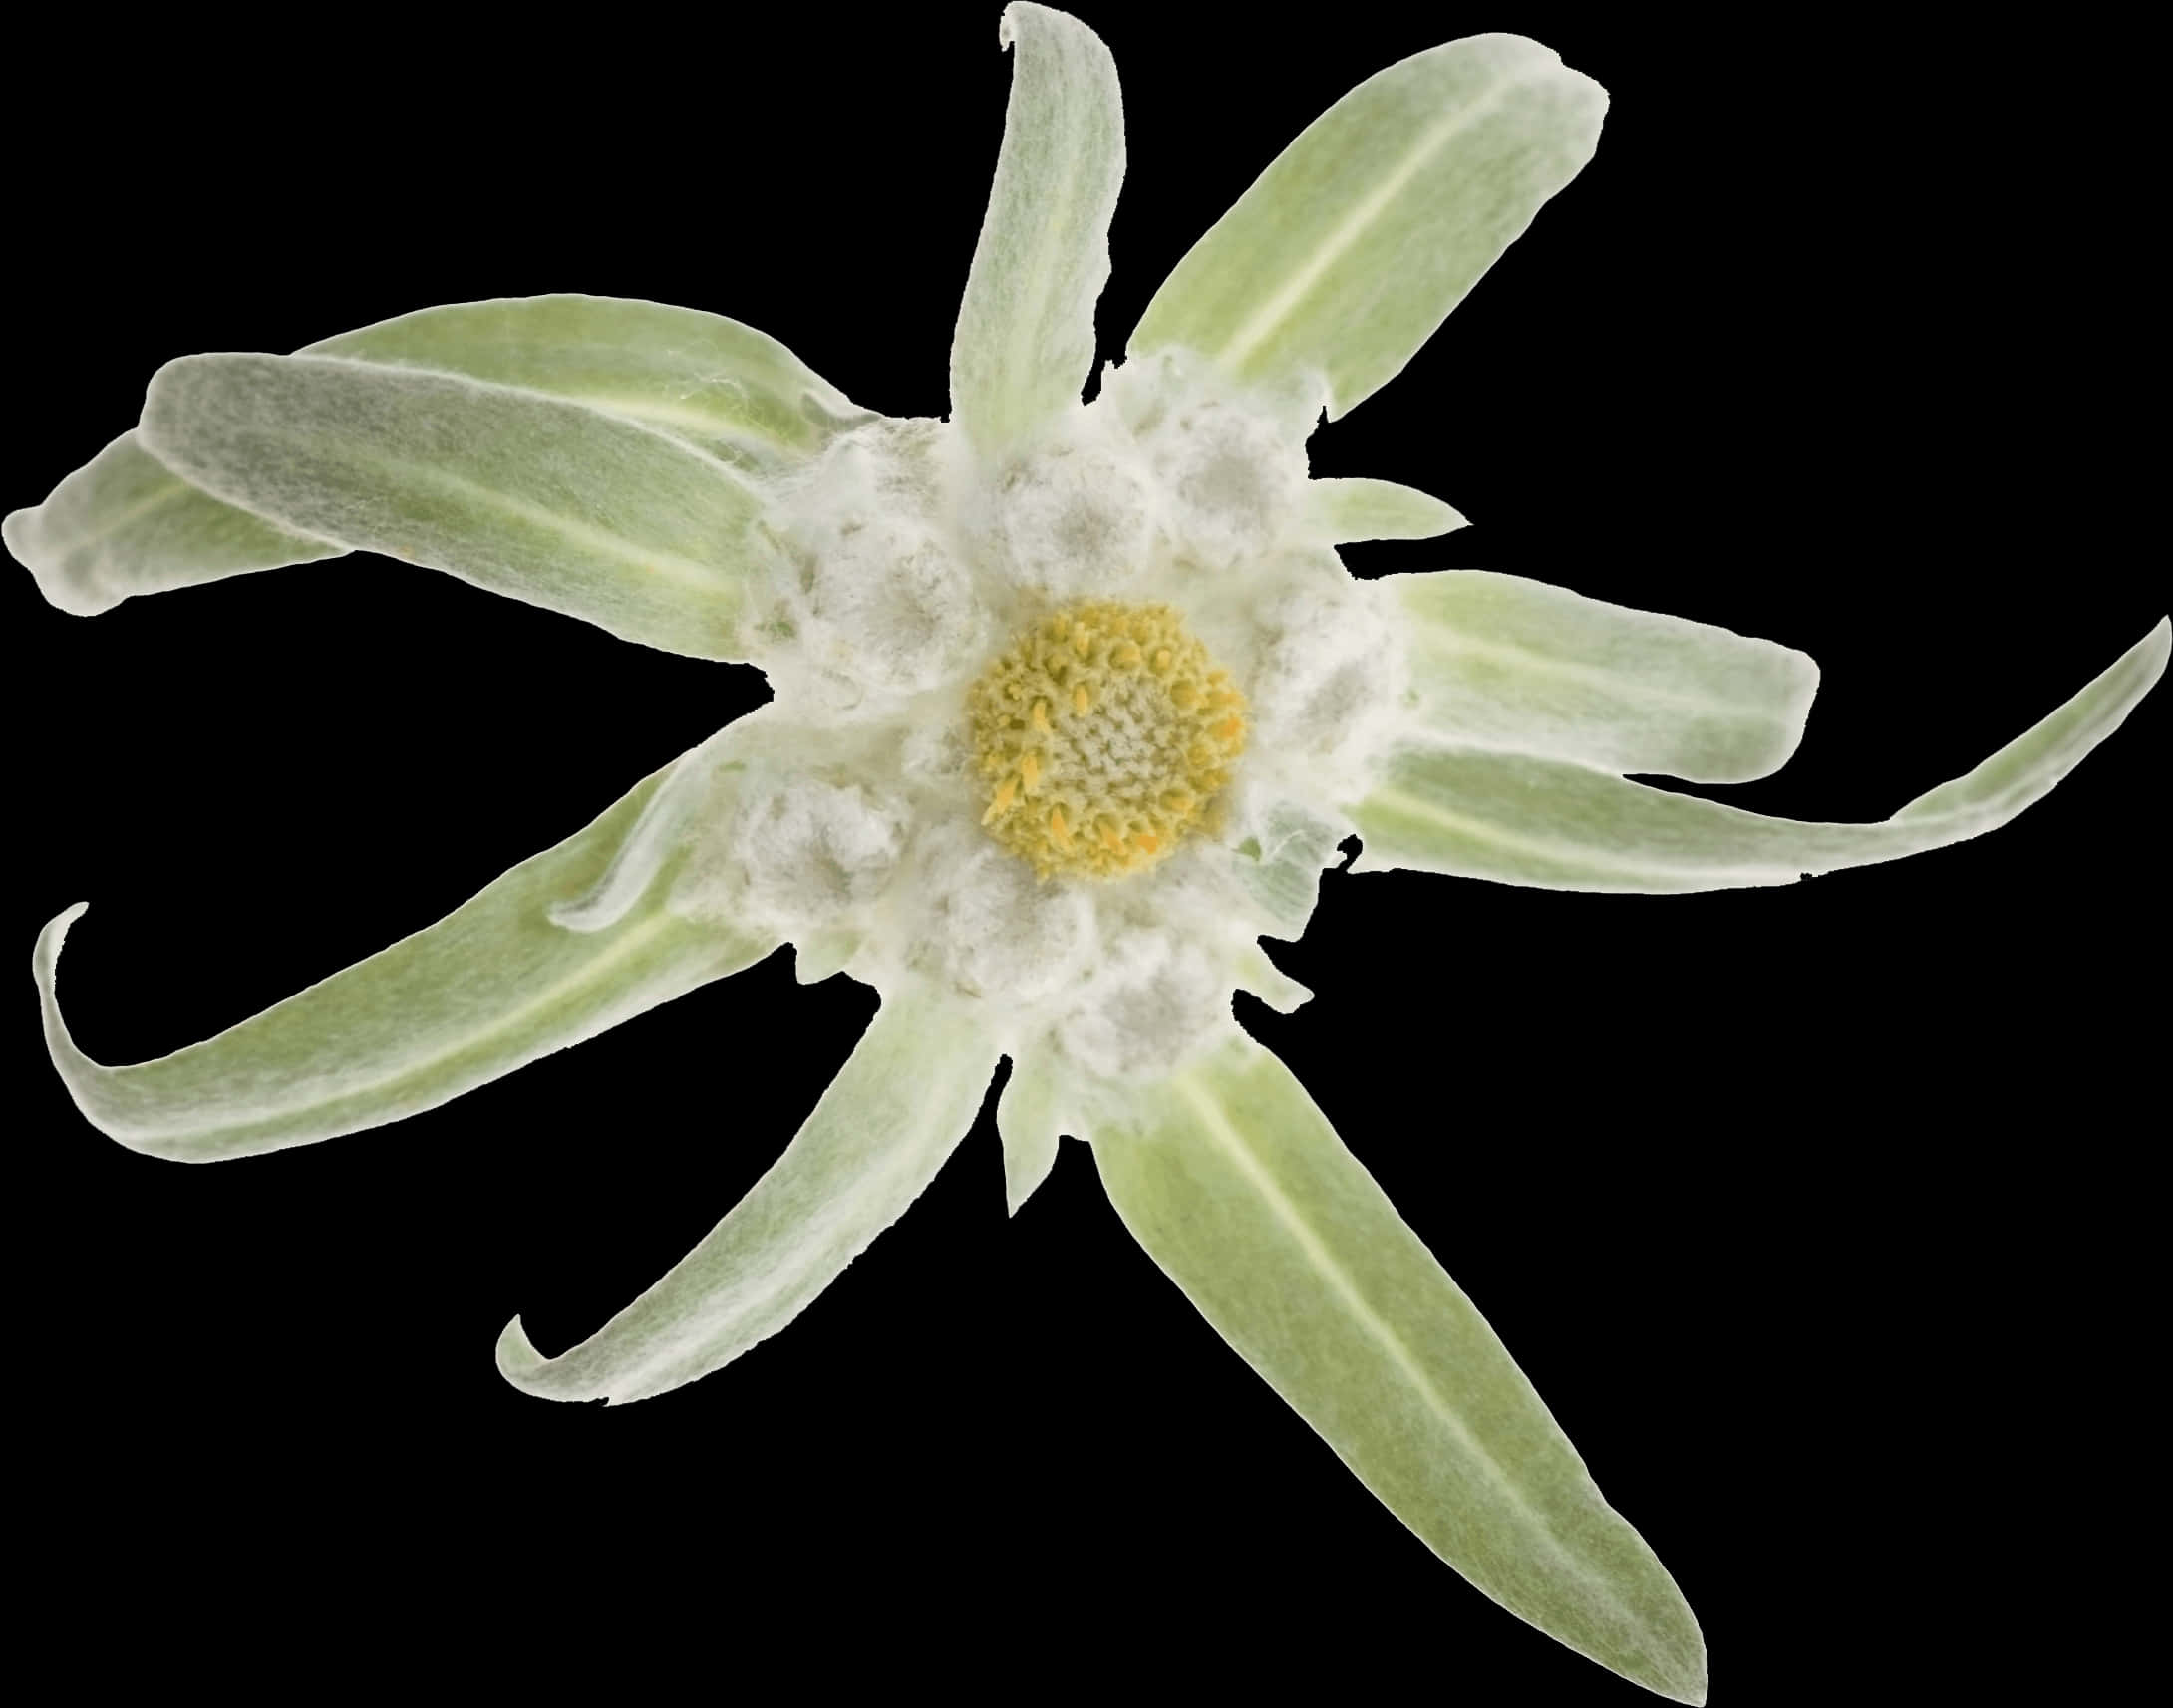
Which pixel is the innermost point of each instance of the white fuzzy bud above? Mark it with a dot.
(1073, 519)
(1330, 673)
(1229, 467)
(880, 598)
(994, 929)
(809, 851)
(1155, 998)
(888, 606)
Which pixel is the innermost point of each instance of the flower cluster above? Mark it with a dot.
(1073, 704)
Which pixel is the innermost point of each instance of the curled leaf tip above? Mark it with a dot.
(1025, 340)
(516, 1354)
(489, 988)
(77, 1070)
(894, 1113)
(1550, 822)
(56, 925)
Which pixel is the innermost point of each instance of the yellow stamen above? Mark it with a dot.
(1149, 732)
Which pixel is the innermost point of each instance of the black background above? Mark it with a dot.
(1813, 1211)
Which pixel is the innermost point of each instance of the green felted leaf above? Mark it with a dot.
(1237, 1186)
(1353, 245)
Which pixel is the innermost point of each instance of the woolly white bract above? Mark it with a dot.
(1073, 704)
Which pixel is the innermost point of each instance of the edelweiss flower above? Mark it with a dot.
(1073, 704)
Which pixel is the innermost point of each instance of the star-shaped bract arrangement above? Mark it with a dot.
(1073, 704)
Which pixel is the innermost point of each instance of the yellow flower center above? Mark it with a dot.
(1103, 734)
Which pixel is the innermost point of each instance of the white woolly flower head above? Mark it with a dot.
(811, 851)
(1330, 674)
(878, 596)
(1084, 669)
(990, 927)
(1229, 465)
(1075, 515)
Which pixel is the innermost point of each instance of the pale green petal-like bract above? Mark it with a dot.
(552, 503)
(715, 383)
(1238, 1187)
(1028, 1122)
(1281, 863)
(894, 1113)
(124, 523)
(1261, 977)
(489, 988)
(1357, 241)
(821, 955)
(1346, 510)
(1553, 825)
(1025, 342)
(1500, 662)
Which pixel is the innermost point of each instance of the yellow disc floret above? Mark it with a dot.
(1103, 734)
